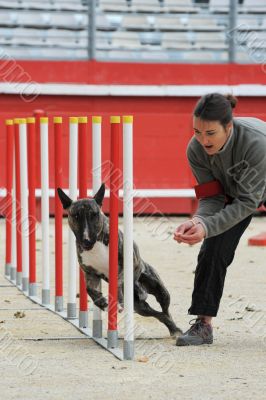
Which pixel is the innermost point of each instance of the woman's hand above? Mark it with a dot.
(190, 233)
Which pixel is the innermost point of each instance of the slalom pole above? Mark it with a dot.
(128, 237)
(45, 209)
(96, 183)
(13, 268)
(16, 274)
(24, 203)
(9, 196)
(32, 205)
(82, 183)
(58, 165)
(72, 257)
(112, 334)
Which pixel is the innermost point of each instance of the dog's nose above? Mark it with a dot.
(87, 244)
(86, 235)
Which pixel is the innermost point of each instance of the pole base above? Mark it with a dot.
(112, 339)
(7, 269)
(45, 296)
(15, 276)
(128, 349)
(71, 310)
(25, 284)
(33, 289)
(59, 304)
(97, 328)
(83, 319)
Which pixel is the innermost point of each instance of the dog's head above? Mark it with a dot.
(85, 217)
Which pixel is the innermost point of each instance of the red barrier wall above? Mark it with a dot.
(100, 73)
(162, 126)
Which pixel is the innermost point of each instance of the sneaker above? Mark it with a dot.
(199, 333)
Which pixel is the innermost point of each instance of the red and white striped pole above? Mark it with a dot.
(82, 182)
(58, 165)
(42, 125)
(38, 114)
(24, 203)
(13, 268)
(16, 272)
(32, 205)
(73, 191)
(9, 197)
(112, 335)
(96, 183)
(128, 194)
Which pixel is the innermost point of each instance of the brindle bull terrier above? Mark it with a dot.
(91, 229)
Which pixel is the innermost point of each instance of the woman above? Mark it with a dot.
(228, 158)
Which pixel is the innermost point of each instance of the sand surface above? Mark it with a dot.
(45, 357)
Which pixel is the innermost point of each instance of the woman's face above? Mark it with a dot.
(211, 134)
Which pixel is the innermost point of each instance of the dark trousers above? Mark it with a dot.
(215, 255)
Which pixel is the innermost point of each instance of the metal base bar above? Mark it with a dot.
(83, 319)
(112, 339)
(117, 352)
(7, 269)
(25, 284)
(45, 296)
(59, 303)
(71, 310)
(128, 349)
(97, 328)
(33, 289)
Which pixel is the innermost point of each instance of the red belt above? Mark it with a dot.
(208, 189)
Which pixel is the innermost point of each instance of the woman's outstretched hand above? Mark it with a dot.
(189, 233)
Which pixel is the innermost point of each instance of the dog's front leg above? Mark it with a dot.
(92, 284)
(120, 293)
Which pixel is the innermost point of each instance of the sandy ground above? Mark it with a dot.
(33, 365)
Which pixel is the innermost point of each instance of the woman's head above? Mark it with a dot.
(212, 121)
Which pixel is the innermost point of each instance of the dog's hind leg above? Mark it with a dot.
(92, 284)
(144, 309)
(153, 284)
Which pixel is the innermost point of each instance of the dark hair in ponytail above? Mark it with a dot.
(216, 107)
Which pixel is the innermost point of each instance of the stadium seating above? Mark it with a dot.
(174, 6)
(171, 30)
(219, 5)
(175, 40)
(147, 6)
(257, 6)
(113, 5)
(126, 40)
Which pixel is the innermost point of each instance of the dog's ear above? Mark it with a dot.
(100, 195)
(65, 200)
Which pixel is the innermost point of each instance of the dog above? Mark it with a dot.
(91, 229)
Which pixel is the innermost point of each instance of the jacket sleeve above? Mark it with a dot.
(250, 187)
(210, 205)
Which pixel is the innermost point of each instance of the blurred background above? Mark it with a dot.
(159, 30)
(149, 58)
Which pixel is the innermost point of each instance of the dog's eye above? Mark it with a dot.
(75, 216)
(93, 214)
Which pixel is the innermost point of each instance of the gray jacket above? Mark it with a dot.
(240, 167)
